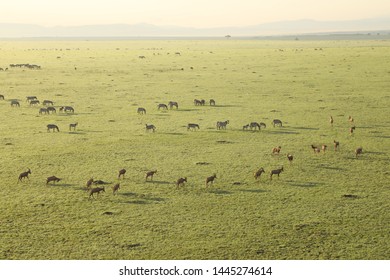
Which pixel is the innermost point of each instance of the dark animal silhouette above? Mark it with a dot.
(52, 179)
(258, 173)
(150, 174)
(24, 175)
(276, 172)
(96, 190)
(210, 179)
(122, 173)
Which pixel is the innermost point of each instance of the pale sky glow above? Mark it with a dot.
(189, 13)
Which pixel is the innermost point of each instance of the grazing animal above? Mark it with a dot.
(34, 102)
(115, 188)
(324, 147)
(197, 102)
(352, 129)
(67, 109)
(358, 151)
(211, 179)
(350, 119)
(258, 173)
(315, 149)
(47, 102)
(89, 183)
(276, 172)
(1, 97)
(331, 120)
(150, 127)
(52, 127)
(122, 173)
(51, 110)
(150, 174)
(43, 111)
(162, 106)
(290, 158)
(73, 125)
(29, 98)
(254, 125)
(192, 126)
(336, 144)
(15, 103)
(263, 125)
(141, 56)
(52, 179)
(277, 122)
(246, 127)
(141, 111)
(212, 102)
(172, 104)
(276, 150)
(24, 175)
(222, 125)
(96, 190)
(180, 181)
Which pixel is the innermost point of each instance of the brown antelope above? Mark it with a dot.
(331, 120)
(115, 188)
(276, 150)
(352, 129)
(350, 119)
(89, 183)
(323, 148)
(276, 172)
(52, 127)
(141, 111)
(315, 149)
(211, 179)
(95, 190)
(277, 122)
(180, 181)
(24, 175)
(52, 179)
(290, 157)
(150, 174)
(358, 151)
(122, 173)
(336, 144)
(212, 102)
(150, 127)
(258, 173)
(246, 127)
(73, 125)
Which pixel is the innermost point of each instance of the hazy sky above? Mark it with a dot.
(191, 13)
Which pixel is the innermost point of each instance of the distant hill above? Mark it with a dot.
(296, 27)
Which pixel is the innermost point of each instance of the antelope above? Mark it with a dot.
(150, 174)
(222, 125)
(141, 111)
(277, 122)
(73, 125)
(212, 102)
(192, 126)
(51, 109)
(122, 173)
(358, 151)
(115, 188)
(89, 183)
(276, 172)
(163, 106)
(43, 111)
(210, 179)
(96, 190)
(180, 181)
(336, 144)
(66, 109)
(290, 157)
(172, 104)
(315, 149)
(323, 148)
(331, 120)
(47, 102)
(276, 150)
(52, 127)
(350, 119)
(52, 179)
(24, 175)
(352, 129)
(150, 127)
(258, 173)
(15, 103)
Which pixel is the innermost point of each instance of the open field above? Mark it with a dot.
(328, 205)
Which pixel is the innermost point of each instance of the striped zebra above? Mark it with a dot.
(150, 127)
(277, 122)
(222, 125)
(141, 111)
(192, 126)
(172, 104)
(52, 127)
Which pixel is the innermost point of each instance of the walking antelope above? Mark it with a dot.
(336, 144)
(358, 151)
(192, 126)
(277, 122)
(150, 127)
(162, 106)
(172, 104)
(222, 125)
(73, 125)
(52, 127)
(30, 98)
(276, 150)
(180, 181)
(141, 111)
(150, 174)
(122, 173)
(34, 102)
(211, 179)
(258, 173)
(52, 179)
(89, 183)
(115, 188)
(95, 190)
(24, 175)
(276, 172)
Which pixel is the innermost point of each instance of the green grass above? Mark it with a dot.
(326, 206)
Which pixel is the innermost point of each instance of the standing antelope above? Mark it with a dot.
(358, 151)
(331, 120)
(115, 188)
(352, 129)
(24, 175)
(258, 173)
(73, 125)
(180, 181)
(52, 179)
(323, 148)
(336, 144)
(276, 172)
(96, 190)
(276, 150)
(211, 179)
(122, 173)
(150, 174)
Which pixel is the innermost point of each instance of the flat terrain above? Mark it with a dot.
(326, 205)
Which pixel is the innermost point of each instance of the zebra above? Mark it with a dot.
(192, 126)
(51, 109)
(73, 125)
(47, 102)
(172, 104)
(141, 111)
(29, 98)
(254, 125)
(66, 109)
(52, 127)
(1, 97)
(163, 106)
(197, 102)
(245, 127)
(15, 103)
(43, 111)
(212, 102)
(34, 102)
(277, 122)
(150, 127)
(222, 125)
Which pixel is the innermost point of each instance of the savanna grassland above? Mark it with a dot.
(328, 205)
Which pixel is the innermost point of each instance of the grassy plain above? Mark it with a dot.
(323, 206)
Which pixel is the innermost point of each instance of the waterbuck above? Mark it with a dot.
(180, 181)
(122, 173)
(277, 122)
(358, 151)
(52, 127)
(24, 175)
(211, 179)
(141, 111)
(150, 174)
(73, 125)
(95, 190)
(115, 188)
(276, 172)
(150, 127)
(258, 173)
(192, 126)
(172, 104)
(52, 179)
(222, 125)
